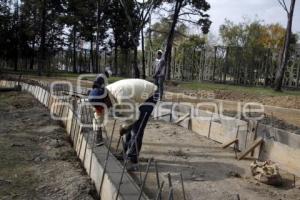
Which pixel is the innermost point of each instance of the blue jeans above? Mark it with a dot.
(132, 148)
(159, 82)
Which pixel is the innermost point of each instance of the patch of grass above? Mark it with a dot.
(114, 79)
(266, 91)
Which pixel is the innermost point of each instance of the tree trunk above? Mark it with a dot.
(85, 61)
(285, 51)
(135, 63)
(169, 44)
(16, 60)
(17, 47)
(143, 57)
(215, 64)
(80, 61)
(97, 37)
(32, 56)
(116, 60)
(126, 53)
(226, 65)
(74, 50)
(43, 39)
(92, 56)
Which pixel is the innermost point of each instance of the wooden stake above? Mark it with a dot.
(230, 143)
(251, 148)
(182, 118)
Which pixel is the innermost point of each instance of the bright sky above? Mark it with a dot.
(235, 10)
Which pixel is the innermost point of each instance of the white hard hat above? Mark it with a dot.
(160, 51)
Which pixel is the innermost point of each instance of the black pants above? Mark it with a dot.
(134, 138)
(159, 82)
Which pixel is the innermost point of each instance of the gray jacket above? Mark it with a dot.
(160, 68)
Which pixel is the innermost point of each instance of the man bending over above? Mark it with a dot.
(132, 101)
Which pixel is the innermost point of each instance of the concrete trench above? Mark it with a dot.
(279, 146)
(92, 157)
(277, 143)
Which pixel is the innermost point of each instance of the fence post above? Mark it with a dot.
(215, 63)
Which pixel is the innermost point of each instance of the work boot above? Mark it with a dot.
(132, 166)
(119, 156)
(99, 138)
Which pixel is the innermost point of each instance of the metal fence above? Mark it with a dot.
(235, 65)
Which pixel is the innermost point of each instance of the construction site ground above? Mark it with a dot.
(36, 158)
(209, 172)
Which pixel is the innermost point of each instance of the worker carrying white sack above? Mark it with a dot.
(130, 100)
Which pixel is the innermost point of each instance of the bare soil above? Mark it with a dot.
(270, 120)
(209, 172)
(36, 158)
(288, 101)
(280, 117)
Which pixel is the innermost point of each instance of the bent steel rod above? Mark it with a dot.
(171, 196)
(106, 158)
(92, 148)
(235, 146)
(118, 144)
(158, 196)
(163, 115)
(138, 163)
(182, 185)
(157, 178)
(126, 158)
(80, 133)
(210, 122)
(145, 178)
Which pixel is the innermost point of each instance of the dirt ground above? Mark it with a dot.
(36, 158)
(270, 120)
(280, 101)
(209, 172)
(278, 117)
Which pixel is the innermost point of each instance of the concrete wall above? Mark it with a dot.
(93, 158)
(279, 146)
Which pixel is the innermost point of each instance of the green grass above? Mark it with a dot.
(114, 79)
(266, 91)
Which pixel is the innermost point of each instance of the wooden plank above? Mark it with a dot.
(182, 118)
(230, 143)
(251, 148)
(217, 132)
(199, 126)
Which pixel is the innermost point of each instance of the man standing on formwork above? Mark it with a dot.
(160, 73)
(132, 102)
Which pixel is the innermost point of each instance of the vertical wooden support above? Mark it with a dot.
(298, 76)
